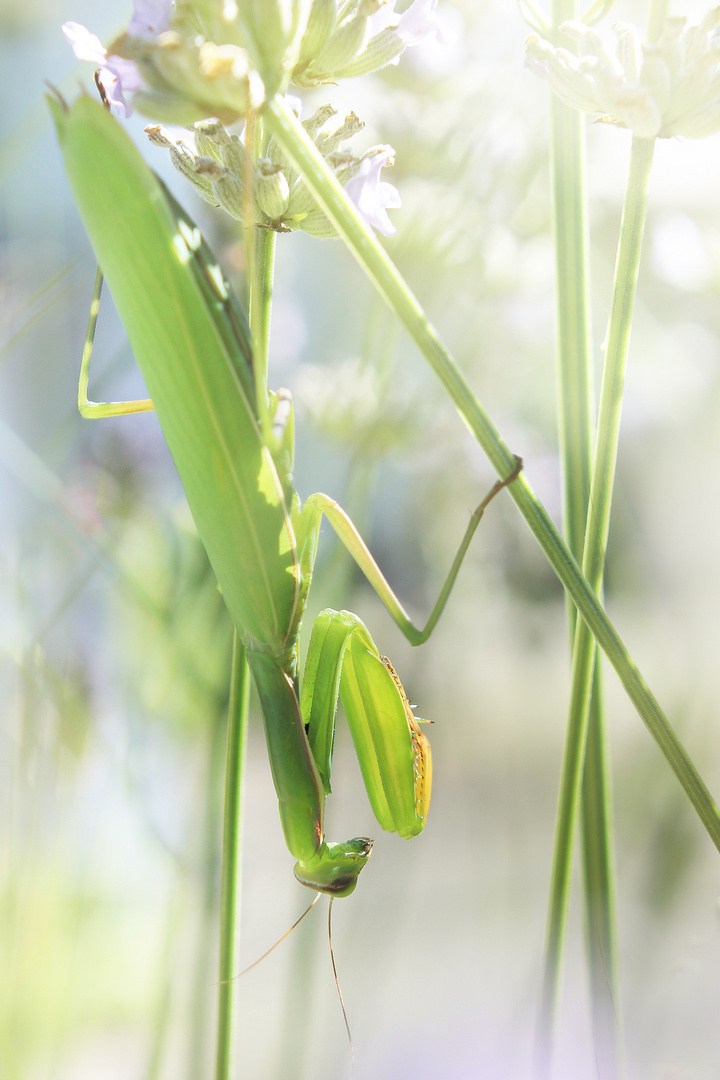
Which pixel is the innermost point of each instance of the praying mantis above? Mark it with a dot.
(192, 343)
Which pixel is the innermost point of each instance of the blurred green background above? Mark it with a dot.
(114, 644)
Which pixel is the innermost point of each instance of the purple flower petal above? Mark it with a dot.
(84, 44)
(126, 71)
(112, 89)
(118, 77)
(372, 195)
(150, 18)
(383, 17)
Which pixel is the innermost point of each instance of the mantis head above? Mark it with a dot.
(336, 867)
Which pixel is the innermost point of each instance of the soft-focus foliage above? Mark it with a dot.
(114, 642)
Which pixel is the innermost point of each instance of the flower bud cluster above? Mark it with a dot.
(355, 37)
(271, 193)
(184, 79)
(185, 61)
(344, 40)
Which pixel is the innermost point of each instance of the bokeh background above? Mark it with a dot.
(114, 644)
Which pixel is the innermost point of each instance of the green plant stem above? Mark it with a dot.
(260, 248)
(618, 340)
(600, 892)
(231, 873)
(381, 271)
(260, 256)
(261, 266)
(596, 535)
(206, 856)
(574, 353)
(575, 394)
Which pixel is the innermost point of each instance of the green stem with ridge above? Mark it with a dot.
(262, 270)
(260, 256)
(260, 249)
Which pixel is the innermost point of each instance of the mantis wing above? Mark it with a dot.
(393, 753)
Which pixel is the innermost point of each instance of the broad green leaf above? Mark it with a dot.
(204, 407)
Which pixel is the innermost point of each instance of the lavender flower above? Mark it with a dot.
(374, 196)
(150, 18)
(119, 77)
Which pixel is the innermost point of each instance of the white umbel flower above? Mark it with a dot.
(657, 90)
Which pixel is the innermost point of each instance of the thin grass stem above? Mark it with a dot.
(599, 862)
(260, 256)
(231, 872)
(575, 391)
(262, 271)
(596, 534)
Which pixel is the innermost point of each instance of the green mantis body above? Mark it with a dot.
(191, 341)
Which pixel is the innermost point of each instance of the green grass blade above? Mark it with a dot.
(575, 416)
(203, 405)
(599, 862)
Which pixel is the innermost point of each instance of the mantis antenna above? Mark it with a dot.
(337, 983)
(279, 941)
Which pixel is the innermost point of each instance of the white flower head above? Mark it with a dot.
(373, 196)
(658, 90)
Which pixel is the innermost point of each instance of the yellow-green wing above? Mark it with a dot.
(393, 753)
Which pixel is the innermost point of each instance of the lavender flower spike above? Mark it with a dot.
(373, 196)
(119, 77)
